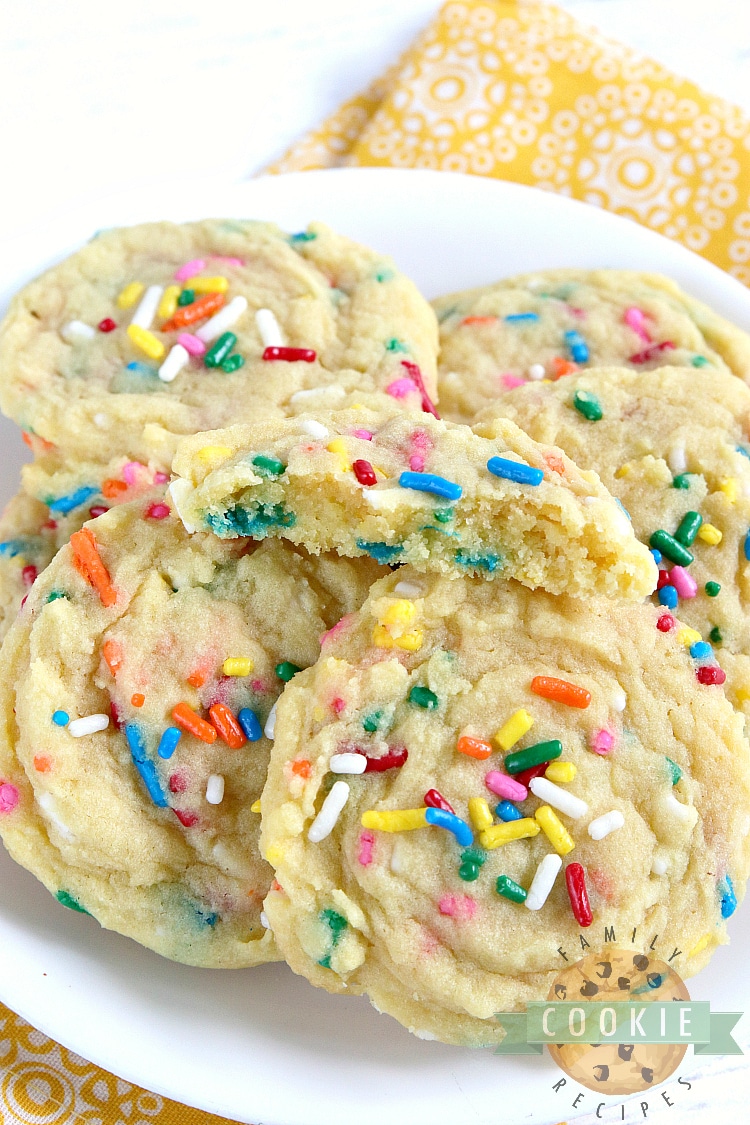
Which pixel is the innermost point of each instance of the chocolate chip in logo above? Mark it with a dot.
(601, 1073)
(589, 989)
(647, 1074)
(641, 963)
(623, 983)
(606, 970)
(625, 1051)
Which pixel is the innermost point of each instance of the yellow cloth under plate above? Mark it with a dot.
(521, 92)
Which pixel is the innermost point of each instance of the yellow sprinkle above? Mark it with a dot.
(729, 488)
(338, 446)
(687, 636)
(479, 813)
(700, 945)
(381, 637)
(401, 612)
(409, 642)
(710, 534)
(624, 471)
(500, 834)
(208, 284)
(274, 854)
(516, 727)
(255, 807)
(560, 772)
(130, 294)
(554, 830)
(168, 302)
(146, 341)
(743, 694)
(213, 454)
(396, 820)
(318, 714)
(237, 666)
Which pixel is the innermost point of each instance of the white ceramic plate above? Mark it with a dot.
(262, 1045)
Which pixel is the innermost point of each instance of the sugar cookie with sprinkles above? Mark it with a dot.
(443, 815)
(136, 687)
(673, 445)
(549, 324)
(414, 489)
(193, 326)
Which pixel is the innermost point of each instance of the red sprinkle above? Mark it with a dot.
(187, 819)
(664, 579)
(178, 783)
(97, 510)
(114, 715)
(106, 325)
(28, 574)
(416, 374)
(364, 472)
(157, 511)
(651, 353)
(666, 623)
(388, 761)
(291, 355)
(525, 776)
(435, 800)
(709, 674)
(575, 879)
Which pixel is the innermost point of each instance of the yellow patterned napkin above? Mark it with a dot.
(518, 91)
(523, 92)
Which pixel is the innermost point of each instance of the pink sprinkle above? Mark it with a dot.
(366, 435)
(342, 624)
(457, 906)
(9, 797)
(602, 741)
(684, 583)
(505, 786)
(580, 313)
(131, 470)
(190, 269)
(160, 477)
(258, 686)
(416, 462)
(636, 319)
(157, 512)
(224, 258)
(510, 381)
(338, 704)
(400, 388)
(191, 343)
(366, 844)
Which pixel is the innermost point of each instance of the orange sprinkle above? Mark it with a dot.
(197, 678)
(113, 488)
(89, 564)
(276, 886)
(563, 366)
(112, 653)
(29, 440)
(42, 763)
(137, 699)
(560, 691)
(199, 310)
(474, 747)
(186, 718)
(555, 463)
(227, 726)
(479, 320)
(301, 767)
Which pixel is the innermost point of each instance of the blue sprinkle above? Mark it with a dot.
(746, 546)
(656, 554)
(579, 349)
(460, 829)
(136, 742)
(728, 897)
(475, 561)
(141, 368)
(303, 236)
(506, 810)
(668, 597)
(741, 449)
(428, 482)
(168, 742)
(381, 552)
(12, 547)
(147, 770)
(61, 718)
(65, 504)
(515, 470)
(622, 508)
(700, 650)
(250, 724)
(515, 318)
(207, 919)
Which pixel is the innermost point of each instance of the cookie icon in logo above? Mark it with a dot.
(617, 975)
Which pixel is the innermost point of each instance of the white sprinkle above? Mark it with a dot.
(174, 363)
(408, 589)
(215, 789)
(223, 320)
(536, 371)
(606, 823)
(76, 330)
(147, 306)
(677, 460)
(270, 329)
(660, 866)
(101, 420)
(683, 812)
(589, 500)
(330, 810)
(270, 726)
(332, 392)
(179, 490)
(396, 865)
(231, 862)
(89, 724)
(546, 790)
(264, 920)
(619, 701)
(315, 429)
(48, 805)
(543, 882)
(348, 763)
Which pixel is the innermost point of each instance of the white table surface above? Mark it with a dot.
(97, 97)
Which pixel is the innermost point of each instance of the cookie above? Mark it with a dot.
(136, 685)
(550, 323)
(432, 881)
(673, 445)
(190, 327)
(413, 489)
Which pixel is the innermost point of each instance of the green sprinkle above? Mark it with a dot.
(473, 855)
(268, 466)
(303, 236)
(232, 363)
(423, 697)
(715, 635)
(220, 350)
(72, 903)
(534, 755)
(385, 275)
(54, 595)
(674, 770)
(712, 589)
(509, 888)
(336, 923)
(469, 871)
(287, 671)
(682, 480)
(325, 961)
(186, 297)
(588, 405)
(395, 345)
(443, 515)
(371, 722)
(688, 529)
(662, 541)
(699, 361)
